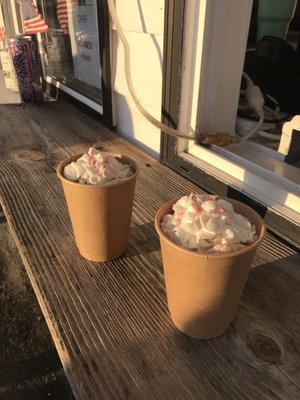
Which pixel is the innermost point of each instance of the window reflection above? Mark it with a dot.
(71, 47)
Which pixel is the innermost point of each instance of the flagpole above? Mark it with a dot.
(22, 17)
(13, 8)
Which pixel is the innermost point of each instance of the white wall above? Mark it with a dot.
(142, 22)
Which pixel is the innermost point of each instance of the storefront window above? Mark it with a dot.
(75, 50)
(72, 54)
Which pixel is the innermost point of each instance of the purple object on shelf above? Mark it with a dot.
(22, 50)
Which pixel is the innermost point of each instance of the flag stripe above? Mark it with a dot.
(62, 14)
(2, 33)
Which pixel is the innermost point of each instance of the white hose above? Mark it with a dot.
(154, 121)
(256, 129)
(270, 136)
(219, 139)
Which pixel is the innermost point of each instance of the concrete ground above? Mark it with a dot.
(29, 364)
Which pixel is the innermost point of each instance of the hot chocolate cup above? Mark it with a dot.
(204, 289)
(100, 214)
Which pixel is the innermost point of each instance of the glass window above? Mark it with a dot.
(76, 50)
(72, 54)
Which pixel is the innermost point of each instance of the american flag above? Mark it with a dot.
(32, 19)
(62, 15)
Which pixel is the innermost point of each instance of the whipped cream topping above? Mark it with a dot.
(97, 168)
(202, 223)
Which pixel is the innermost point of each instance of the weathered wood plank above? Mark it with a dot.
(110, 321)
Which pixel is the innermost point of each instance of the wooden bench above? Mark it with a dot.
(109, 321)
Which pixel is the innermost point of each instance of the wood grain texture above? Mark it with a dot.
(110, 321)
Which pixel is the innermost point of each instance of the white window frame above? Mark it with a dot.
(212, 70)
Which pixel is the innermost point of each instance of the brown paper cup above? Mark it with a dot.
(100, 214)
(204, 290)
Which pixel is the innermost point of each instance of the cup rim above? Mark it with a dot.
(68, 160)
(168, 207)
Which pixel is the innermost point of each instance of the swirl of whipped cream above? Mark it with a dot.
(97, 168)
(207, 225)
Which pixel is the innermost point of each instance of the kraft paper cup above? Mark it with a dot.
(100, 214)
(204, 290)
